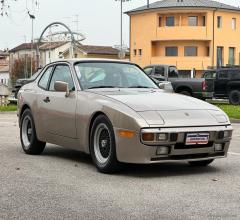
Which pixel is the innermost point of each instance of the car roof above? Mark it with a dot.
(222, 69)
(74, 60)
(164, 65)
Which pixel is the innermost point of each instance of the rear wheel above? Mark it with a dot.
(234, 97)
(201, 163)
(103, 146)
(30, 143)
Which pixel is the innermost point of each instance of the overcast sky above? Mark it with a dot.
(99, 20)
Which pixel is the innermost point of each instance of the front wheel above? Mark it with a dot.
(103, 146)
(201, 163)
(30, 143)
(234, 97)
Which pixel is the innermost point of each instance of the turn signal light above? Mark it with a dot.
(148, 136)
(126, 134)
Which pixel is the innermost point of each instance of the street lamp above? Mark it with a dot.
(32, 17)
(121, 26)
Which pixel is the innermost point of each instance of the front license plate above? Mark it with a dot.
(197, 138)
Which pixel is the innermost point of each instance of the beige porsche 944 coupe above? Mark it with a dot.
(113, 111)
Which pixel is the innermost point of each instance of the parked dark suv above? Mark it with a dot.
(196, 87)
(21, 82)
(226, 83)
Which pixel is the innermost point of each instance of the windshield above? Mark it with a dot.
(112, 75)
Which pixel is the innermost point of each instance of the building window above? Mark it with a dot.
(234, 24)
(171, 51)
(190, 51)
(219, 21)
(207, 51)
(160, 21)
(135, 52)
(204, 21)
(170, 21)
(140, 52)
(220, 56)
(192, 21)
(231, 59)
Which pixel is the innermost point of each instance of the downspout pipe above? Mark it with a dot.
(213, 52)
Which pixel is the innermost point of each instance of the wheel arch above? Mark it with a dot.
(94, 116)
(184, 88)
(233, 87)
(24, 107)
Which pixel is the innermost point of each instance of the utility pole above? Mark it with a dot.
(76, 21)
(121, 47)
(148, 3)
(25, 55)
(32, 17)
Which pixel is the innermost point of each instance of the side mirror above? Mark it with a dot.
(60, 86)
(166, 86)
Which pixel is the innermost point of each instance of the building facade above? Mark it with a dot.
(191, 34)
(93, 51)
(4, 68)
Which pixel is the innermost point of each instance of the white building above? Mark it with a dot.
(50, 52)
(4, 76)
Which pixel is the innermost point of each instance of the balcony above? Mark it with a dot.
(3, 62)
(183, 33)
(184, 63)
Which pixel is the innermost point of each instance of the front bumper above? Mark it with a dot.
(133, 151)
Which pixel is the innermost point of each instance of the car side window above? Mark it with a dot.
(172, 73)
(223, 75)
(159, 70)
(210, 75)
(43, 82)
(235, 74)
(62, 73)
(148, 70)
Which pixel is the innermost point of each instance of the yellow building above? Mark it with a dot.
(191, 34)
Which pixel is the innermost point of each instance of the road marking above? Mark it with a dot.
(232, 153)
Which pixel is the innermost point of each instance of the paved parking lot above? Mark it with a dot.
(63, 184)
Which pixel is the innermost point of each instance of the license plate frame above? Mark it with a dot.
(197, 138)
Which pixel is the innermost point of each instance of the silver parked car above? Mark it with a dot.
(113, 111)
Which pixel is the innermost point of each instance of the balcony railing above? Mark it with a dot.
(183, 33)
(199, 63)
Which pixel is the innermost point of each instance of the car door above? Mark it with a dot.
(58, 111)
(220, 85)
(210, 78)
(159, 73)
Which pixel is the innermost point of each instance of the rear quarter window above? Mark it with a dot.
(223, 75)
(235, 74)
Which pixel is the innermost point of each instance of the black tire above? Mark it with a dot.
(185, 92)
(30, 144)
(201, 163)
(16, 93)
(234, 97)
(103, 145)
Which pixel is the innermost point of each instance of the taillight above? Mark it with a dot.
(204, 85)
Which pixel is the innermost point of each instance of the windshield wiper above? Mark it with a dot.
(100, 87)
(142, 87)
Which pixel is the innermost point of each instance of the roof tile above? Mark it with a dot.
(185, 3)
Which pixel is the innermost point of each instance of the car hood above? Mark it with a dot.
(158, 100)
(158, 107)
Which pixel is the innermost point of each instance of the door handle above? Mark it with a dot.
(46, 100)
